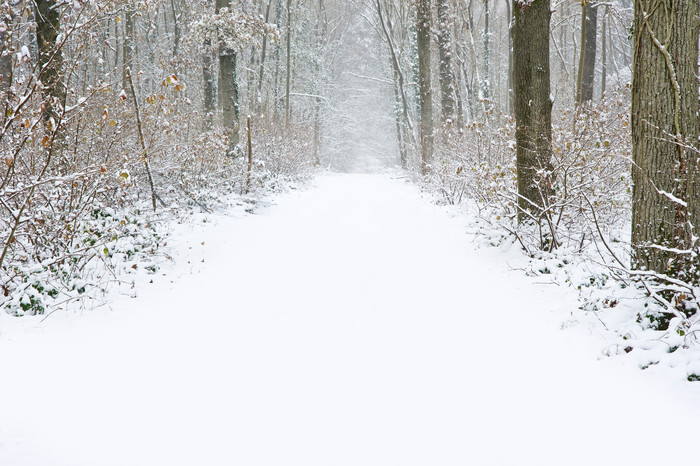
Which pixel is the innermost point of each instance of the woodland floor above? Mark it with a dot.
(353, 323)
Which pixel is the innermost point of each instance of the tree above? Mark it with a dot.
(404, 128)
(664, 125)
(586, 71)
(424, 85)
(447, 81)
(128, 44)
(228, 87)
(485, 82)
(533, 105)
(604, 50)
(288, 86)
(5, 55)
(50, 62)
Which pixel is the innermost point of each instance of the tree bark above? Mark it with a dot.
(589, 33)
(261, 73)
(424, 84)
(288, 103)
(485, 82)
(228, 90)
(50, 60)
(533, 106)
(5, 63)
(664, 119)
(208, 78)
(604, 54)
(128, 44)
(447, 81)
(510, 58)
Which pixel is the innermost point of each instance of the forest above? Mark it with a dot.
(362, 231)
(115, 106)
(563, 122)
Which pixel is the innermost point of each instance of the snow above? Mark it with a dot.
(352, 323)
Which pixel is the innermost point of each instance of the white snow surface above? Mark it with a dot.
(353, 323)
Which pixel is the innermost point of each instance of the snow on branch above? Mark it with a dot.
(232, 28)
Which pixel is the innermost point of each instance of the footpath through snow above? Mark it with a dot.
(351, 324)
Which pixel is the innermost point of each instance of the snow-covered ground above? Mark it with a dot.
(351, 324)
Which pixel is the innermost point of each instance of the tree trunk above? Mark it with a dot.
(50, 60)
(533, 106)
(228, 90)
(177, 33)
(458, 67)
(288, 104)
(510, 58)
(664, 115)
(604, 57)
(447, 84)
(485, 83)
(589, 33)
(425, 91)
(261, 73)
(5, 64)
(128, 44)
(402, 109)
(278, 58)
(208, 78)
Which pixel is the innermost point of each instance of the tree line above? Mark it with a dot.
(600, 99)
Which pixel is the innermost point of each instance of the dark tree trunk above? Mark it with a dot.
(589, 33)
(533, 106)
(664, 115)
(424, 85)
(50, 60)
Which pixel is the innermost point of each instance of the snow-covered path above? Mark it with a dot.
(351, 324)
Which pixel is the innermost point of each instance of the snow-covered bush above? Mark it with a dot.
(77, 183)
(589, 185)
